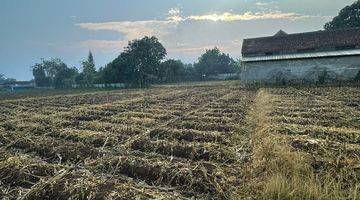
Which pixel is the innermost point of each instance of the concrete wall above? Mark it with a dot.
(301, 70)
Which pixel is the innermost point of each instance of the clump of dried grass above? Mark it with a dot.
(81, 184)
(22, 171)
(194, 151)
(278, 172)
(347, 135)
(204, 126)
(3, 139)
(55, 150)
(122, 132)
(95, 138)
(187, 135)
(194, 180)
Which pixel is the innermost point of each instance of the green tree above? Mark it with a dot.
(79, 79)
(349, 17)
(190, 73)
(213, 62)
(107, 75)
(119, 70)
(54, 73)
(89, 71)
(142, 59)
(171, 71)
(39, 73)
(65, 77)
(138, 65)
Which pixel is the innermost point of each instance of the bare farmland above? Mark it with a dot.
(177, 142)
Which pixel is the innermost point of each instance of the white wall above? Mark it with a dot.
(300, 70)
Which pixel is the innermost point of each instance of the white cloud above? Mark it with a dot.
(249, 16)
(185, 35)
(174, 14)
(262, 4)
(137, 29)
(132, 29)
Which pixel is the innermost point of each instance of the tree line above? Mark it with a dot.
(140, 64)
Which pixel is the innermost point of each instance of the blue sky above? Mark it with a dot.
(68, 29)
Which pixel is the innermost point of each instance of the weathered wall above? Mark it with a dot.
(301, 70)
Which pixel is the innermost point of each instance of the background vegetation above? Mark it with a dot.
(349, 17)
(140, 64)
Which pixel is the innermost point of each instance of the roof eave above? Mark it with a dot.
(302, 56)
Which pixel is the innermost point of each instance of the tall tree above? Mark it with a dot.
(213, 62)
(89, 71)
(144, 57)
(138, 65)
(349, 17)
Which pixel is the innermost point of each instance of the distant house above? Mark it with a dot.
(302, 57)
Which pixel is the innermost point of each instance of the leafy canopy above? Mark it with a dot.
(349, 17)
(138, 65)
(171, 71)
(53, 73)
(213, 62)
